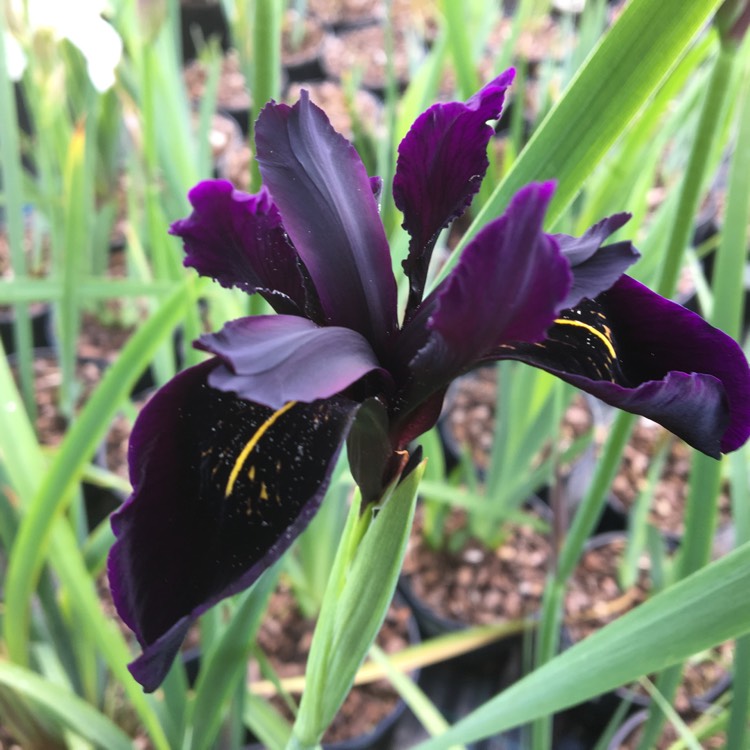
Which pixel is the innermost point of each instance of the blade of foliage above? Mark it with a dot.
(10, 177)
(226, 662)
(99, 629)
(266, 723)
(702, 610)
(266, 60)
(423, 654)
(70, 710)
(75, 236)
(460, 43)
(75, 452)
(615, 82)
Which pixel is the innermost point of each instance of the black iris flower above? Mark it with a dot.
(230, 460)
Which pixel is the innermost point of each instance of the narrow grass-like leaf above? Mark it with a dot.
(19, 452)
(226, 662)
(76, 235)
(729, 299)
(459, 38)
(266, 61)
(432, 651)
(10, 178)
(70, 710)
(266, 723)
(414, 697)
(702, 610)
(75, 452)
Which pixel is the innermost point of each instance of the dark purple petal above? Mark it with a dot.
(328, 208)
(272, 359)
(507, 286)
(238, 239)
(221, 489)
(441, 163)
(596, 268)
(642, 353)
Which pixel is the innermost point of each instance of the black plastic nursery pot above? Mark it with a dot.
(302, 43)
(626, 737)
(42, 327)
(201, 21)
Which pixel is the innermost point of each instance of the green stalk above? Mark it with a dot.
(458, 38)
(10, 163)
(266, 63)
(75, 233)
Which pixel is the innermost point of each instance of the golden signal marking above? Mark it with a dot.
(251, 444)
(590, 329)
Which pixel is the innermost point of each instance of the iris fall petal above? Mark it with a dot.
(642, 353)
(221, 488)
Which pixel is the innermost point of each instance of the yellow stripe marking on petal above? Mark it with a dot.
(590, 329)
(247, 450)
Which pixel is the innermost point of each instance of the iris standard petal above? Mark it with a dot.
(321, 187)
(508, 285)
(221, 488)
(596, 268)
(441, 163)
(272, 359)
(238, 239)
(642, 353)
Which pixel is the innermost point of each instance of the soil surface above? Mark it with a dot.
(670, 493)
(478, 586)
(469, 416)
(285, 636)
(51, 423)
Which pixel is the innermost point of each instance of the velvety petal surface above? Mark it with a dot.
(596, 268)
(328, 208)
(507, 286)
(441, 163)
(238, 239)
(645, 354)
(221, 488)
(272, 359)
